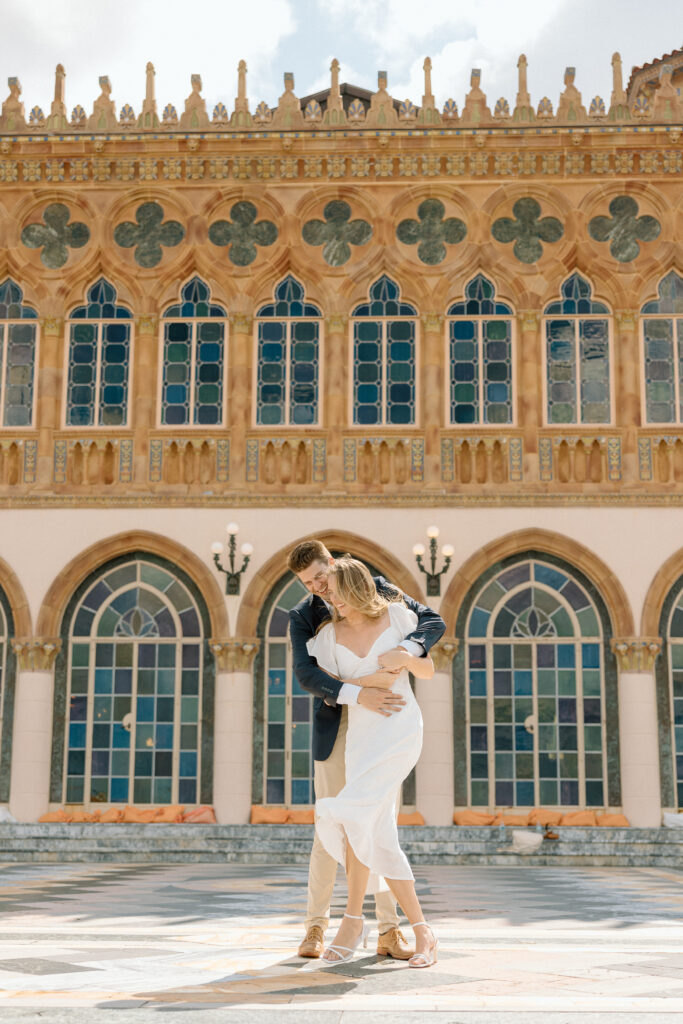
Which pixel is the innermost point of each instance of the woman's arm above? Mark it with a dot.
(398, 658)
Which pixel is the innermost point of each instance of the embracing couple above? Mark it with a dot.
(355, 639)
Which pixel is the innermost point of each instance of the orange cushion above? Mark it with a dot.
(540, 816)
(268, 815)
(59, 815)
(510, 819)
(200, 815)
(171, 812)
(411, 819)
(300, 817)
(85, 816)
(139, 815)
(113, 814)
(579, 818)
(613, 821)
(472, 818)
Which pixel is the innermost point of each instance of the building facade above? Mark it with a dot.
(355, 318)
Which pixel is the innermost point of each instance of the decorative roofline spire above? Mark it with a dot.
(241, 118)
(148, 118)
(57, 121)
(618, 108)
(335, 106)
(523, 110)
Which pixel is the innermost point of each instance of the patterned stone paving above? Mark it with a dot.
(88, 943)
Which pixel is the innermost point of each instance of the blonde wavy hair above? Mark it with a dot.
(357, 589)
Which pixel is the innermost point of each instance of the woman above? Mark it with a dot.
(358, 827)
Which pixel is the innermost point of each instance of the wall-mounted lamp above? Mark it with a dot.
(232, 575)
(433, 577)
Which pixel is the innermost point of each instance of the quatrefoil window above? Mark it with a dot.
(149, 234)
(337, 233)
(624, 229)
(431, 232)
(55, 236)
(528, 230)
(243, 233)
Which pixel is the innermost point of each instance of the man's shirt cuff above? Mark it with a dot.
(348, 694)
(413, 647)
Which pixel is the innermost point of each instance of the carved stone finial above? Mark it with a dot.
(523, 110)
(334, 113)
(241, 118)
(442, 654)
(475, 110)
(667, 103)
(618, 108)
(195, 115)
(635, 653)
(13, 119)
(382, 113)
(428, 113)
(234, 655)
(57, 121)
(103, 117)
(570, 109)
(149, 118)
(36, 654)
(288, 113)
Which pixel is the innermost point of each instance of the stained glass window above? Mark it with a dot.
(134, 695)
(663, 352)
(99, 360)
(193, 376)
(289, 332)
(480, 356)
(536, 692)
(384, 333)
(18, 335)
(287, 714)
(577, 356)
(675, 650)
(3, 670)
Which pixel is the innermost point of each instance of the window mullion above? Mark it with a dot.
(385, 373)
(98, 376)
(480, 352)
(133, 721)
(578, 370)
(4, 342)
(175, 761)
(676, 368)
(287, 411)
(193, 373)
(90, 711)
(580, 724)
(534, 711)
(490, 725)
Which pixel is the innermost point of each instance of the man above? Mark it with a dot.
(311, 562)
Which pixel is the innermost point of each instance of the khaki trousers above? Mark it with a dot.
(329, 777)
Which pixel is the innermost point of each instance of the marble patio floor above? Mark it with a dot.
(135, 943)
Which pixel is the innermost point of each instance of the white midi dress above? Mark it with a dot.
(380, 753)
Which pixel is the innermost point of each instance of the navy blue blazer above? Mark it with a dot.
(304, 621)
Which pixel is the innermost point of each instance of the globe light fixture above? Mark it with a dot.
(232, 575)
(433, 577)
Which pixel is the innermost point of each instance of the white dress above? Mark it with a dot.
(380, 753)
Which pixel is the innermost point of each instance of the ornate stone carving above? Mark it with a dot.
(195, 115)
(444, 652)
(381, 113)
(475, 110)
(570, 108)
(147, 324)
(55, 236)
(336, 322)
(337, 233)
(234, 655)
(103, 117)
(241, 117)
(149, 234)
(636, 654)
(149, 117)
(36, 654)
(13, 118)
(241, 323)
(288, 113)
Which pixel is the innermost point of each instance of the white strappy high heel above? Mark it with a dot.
(430, 958)
(341, 950)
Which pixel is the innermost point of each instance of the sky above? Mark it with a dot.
(117, 38)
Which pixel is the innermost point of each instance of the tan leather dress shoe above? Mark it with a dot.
(393, 944)
(313, 945)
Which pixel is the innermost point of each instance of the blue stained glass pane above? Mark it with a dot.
(384, 301)
(660, 369)
(101, 304)
(576, 298)
(479, 622)
(289, 301)
(479, 300)
(19, 342)
(195, 302)
(12, 303)
(670, 300)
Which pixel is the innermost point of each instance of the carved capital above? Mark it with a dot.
(36, 654)
(147, 324)
(627, 319)
(234, 655)
(636, 653)
(529, 320)
(241, 323)
(432, 321)
(52, 325)
(444, 652)
(336, 322)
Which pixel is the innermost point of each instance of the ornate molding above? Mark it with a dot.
(36, 654)
(241, 323)
(529, 320)
(336, 322)
(147, 324)
(627, 319)
(432, 321)
(52, 325)
(636, 654)
(444, 652)
(234, 655)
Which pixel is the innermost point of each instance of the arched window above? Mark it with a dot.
(669, 670)
(577, 356)
(480, 356)
(287, 387)
(384, 358)
(193, 378)
(135, 690)
(287, 712)
(18, 339)
(98, 376)
(7, 680)
(536, 693)
(662, 322)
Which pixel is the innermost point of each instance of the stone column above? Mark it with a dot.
(49, 396)
(240, 399)
(432, 397)
(529, 385)
(627, 413)
(638, 734)
(335, 394)
(434, 772)
(233, 728)
(142, 412)
(32, 734)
